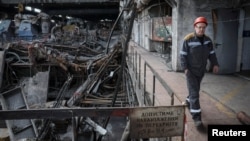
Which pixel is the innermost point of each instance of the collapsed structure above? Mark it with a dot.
(70, 65)
(58, 75)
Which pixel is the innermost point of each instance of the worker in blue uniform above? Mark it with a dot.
(197, 49)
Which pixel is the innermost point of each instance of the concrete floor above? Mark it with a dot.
(221, 96)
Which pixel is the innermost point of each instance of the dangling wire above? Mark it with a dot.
(112, 30)
(122, 64)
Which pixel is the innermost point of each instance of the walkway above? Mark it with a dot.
(221, 96)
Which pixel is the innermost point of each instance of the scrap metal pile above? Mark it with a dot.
(69, 68)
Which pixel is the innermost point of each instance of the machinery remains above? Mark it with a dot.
(64, 65)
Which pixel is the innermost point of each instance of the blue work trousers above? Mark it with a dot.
(193, 84)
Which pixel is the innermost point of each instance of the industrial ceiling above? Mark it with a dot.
(92, 10)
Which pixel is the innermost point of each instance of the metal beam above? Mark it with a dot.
(83, 11)
(63, 113)
(55, 1)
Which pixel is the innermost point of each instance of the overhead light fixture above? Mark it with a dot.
(108, 20)
(28, 8)
(68, 17)
(37, 10)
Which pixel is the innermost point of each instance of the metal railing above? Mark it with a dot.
(135, 64)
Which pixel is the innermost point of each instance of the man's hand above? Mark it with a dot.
(186, 71)
(215, 69)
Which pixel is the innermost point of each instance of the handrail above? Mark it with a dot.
(134, 59)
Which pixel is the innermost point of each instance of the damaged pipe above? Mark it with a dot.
(141, 4)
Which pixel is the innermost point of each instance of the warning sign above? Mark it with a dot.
(152, 122)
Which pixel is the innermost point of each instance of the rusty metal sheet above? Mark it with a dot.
(18, 129)
(155, 122)
(36, 88)
(61, 113)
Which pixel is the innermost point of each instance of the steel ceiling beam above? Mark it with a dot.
(55, 1)
(83, 11)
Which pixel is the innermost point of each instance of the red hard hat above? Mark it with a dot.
(200, 20)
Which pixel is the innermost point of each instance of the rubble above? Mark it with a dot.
(71, 66)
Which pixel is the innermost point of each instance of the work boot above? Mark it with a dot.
(200, 127)
(187, 103)
(198, 123)
(197, 119)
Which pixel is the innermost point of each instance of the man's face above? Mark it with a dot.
(200, 29)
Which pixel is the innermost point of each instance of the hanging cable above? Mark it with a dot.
(122, 63)
(112, 30)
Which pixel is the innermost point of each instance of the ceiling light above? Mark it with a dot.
(37, 10)
(68, 17)
(28, 8)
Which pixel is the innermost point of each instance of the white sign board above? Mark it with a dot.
(155, 122)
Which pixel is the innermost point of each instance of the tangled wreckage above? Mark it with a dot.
(72, 67)
(71, 81)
